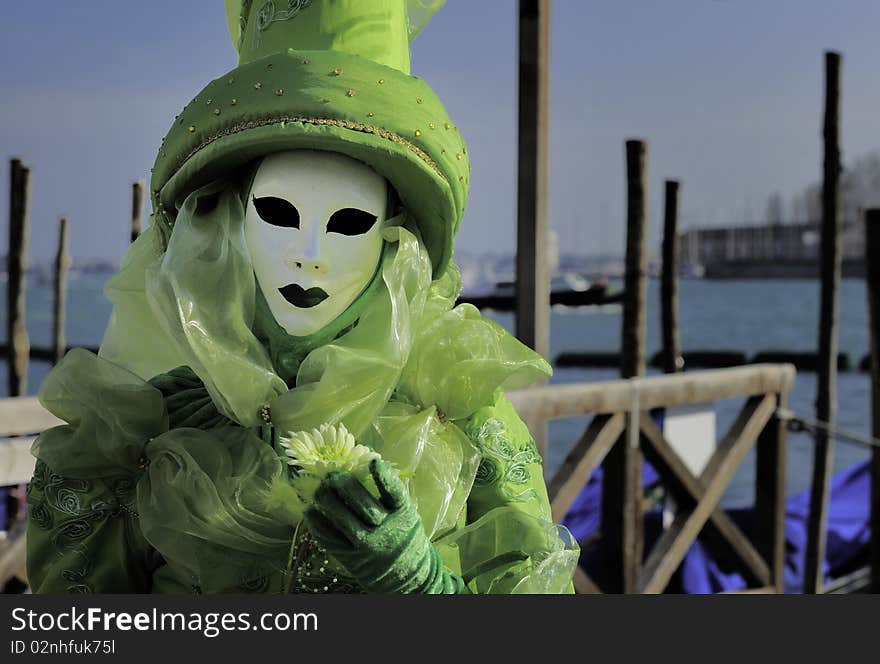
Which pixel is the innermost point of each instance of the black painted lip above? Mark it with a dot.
(302, 298)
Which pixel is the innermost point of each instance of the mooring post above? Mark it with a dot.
(532, 237)
(622, 529)
(826, 396)
(672, 359)
(635, 285)
(872, 280)
(62, 263)
(16, 265)
(532, 277)
(137, 206)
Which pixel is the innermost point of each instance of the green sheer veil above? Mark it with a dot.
(195, 304)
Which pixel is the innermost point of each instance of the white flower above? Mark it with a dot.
(331, 447)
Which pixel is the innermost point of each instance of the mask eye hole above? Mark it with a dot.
(350, 221)
(277, 211)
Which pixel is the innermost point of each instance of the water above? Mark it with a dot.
(747, 316)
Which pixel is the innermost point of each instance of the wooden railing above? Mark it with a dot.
(622, 434)
(21, 418)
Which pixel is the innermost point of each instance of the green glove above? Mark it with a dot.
(380, 542)
(187, 400)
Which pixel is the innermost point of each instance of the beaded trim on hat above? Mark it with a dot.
(355, 126)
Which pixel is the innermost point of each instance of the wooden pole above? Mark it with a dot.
(632, 350)
(532, 235)
(16, 265)
(622, 522)
(532, 266)
(826, 398)
(137, 206)
(872, 280)
(672, 360)
(62, 263)
(770, 464)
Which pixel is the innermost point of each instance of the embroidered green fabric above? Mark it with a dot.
(83, 536)
(510, 469)
(214, 504)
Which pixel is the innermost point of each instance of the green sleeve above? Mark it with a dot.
(510, 480)
(83, 536)
(511, 471)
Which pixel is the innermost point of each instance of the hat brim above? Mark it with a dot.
(323, 100)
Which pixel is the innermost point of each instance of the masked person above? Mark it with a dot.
(291, 310)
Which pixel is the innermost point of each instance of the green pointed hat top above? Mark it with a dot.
(378, 31)
(331, 75)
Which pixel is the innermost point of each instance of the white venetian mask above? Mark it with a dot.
(313, 227)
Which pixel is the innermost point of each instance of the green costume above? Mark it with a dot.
(169, 475)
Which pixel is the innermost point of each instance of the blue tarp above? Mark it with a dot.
(3, 518)
(848, 534)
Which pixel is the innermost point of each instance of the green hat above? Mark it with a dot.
(326, 75)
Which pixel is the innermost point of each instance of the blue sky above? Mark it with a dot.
(727, 92)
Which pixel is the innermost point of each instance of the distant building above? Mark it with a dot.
(767, 251)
